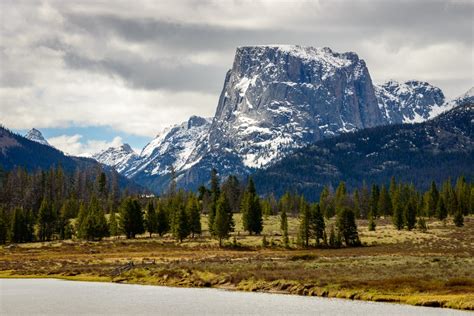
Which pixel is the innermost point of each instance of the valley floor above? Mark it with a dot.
(435, 268)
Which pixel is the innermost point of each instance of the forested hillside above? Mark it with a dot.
(414, 153)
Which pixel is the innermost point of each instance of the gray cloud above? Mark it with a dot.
(157, 54)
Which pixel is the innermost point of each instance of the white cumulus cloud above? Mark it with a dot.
(73, 145)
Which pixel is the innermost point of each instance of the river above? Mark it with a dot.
(58, 297)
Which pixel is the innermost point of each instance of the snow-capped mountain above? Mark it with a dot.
(409, 102)
(121, 157)
(276, 99)
(36, 136)
(176, 147)
(280, 97)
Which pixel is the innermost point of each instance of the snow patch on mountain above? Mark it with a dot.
(409, 102)
(121, 158)
(36, 136)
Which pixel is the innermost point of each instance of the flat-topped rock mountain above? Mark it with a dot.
(276, 99)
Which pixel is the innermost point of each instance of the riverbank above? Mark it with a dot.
(435, 268)
(56, 297)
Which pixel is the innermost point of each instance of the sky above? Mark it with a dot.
(93, 74)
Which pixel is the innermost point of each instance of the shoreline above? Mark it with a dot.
(464, 302)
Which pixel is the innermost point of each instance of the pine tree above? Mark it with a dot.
(46, 221)
(251, 210)
(95, 226)
(431, 200)
(364, 201)
(410, 214)
(347, 227)
(384, 204)
(131, 218)
(441, 211)
(150, 219)
(4, 225)
(180, 228)
(305, 223)
(374, 201)
(397, 217)
(215, 193)
(194, 215)
(318, 225)
(458, 219)
(371, 225)
(332, 237)
(113, 225)
(162, 219)
(341, 197)
(284, 227)
(222, 224)
(232, 189)
(19, 228)
(326, 203)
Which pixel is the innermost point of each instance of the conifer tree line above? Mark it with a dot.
(89, 205)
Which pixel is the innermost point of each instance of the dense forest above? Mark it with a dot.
(89, 205)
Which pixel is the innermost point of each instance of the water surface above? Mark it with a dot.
(58, 297)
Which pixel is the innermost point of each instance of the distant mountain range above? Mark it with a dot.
(32, 152)
(275, 100)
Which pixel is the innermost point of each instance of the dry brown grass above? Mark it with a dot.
(434, 268)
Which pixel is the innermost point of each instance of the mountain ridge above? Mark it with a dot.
(276, 99)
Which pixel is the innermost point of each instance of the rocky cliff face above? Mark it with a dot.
(276, 99)
(409, 102)
(36, 136)
(282, 97)
(175, 148)
(122, 158)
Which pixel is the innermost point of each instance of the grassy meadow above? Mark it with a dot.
(433, 268)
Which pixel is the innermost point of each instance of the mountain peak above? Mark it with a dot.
(36, 136)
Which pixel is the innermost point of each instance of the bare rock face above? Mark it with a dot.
(409, 102)
(277, 98)
(121, 158)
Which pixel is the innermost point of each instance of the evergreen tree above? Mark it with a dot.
(441, 211)
(4, 225)
(371, 225)
(163, 225)
(215, 193)
(332, 237)
(46, 221)
(180, 228)
(431, 200)
(374, 201)
(64, 225)
(326, 203)
(341, 197)
(251, 210)
(410, 214)
(356, 199)
(222, 224)
(95, 226)
(397, 218)
(458, 219)
(384, 204)
(232, 189)
(194, 215)
(305, 223)
(19, 226)
(318, 225)
(150, 219)
(347, 227)
(113, 225)
(284, 227)
(131, 218)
